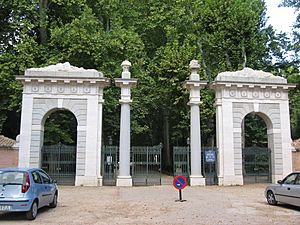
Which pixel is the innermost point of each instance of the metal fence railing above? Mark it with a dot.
(145, 165)
(257, 165)
(182, 163)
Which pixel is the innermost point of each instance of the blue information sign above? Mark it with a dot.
(210, 156)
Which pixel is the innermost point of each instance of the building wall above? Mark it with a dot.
(296, 161)
(9, 157)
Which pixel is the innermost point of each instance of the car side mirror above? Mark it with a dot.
(53, 181)
(279, 181)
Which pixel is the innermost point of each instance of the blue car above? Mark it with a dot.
(26, 190)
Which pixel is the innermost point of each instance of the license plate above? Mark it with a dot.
(5, 207)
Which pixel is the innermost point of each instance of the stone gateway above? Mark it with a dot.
(80, 91)
(238, 94)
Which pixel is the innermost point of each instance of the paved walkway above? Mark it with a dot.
(156, 205)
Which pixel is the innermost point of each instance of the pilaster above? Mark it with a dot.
(125, 83)
(194, 85)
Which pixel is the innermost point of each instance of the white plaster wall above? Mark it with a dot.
(91, 141)
(66, 87)
(219, 140)
(229, 177)
(286, 138)
(233, 103)
(25, 131)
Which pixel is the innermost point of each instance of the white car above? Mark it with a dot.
(285, 191)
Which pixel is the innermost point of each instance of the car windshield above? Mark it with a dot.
(11, 177)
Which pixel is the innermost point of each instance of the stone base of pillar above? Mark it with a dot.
(197, 181)
(86, 181)
(220, 181)
(124, 181)
(99, 181)
(230, 180)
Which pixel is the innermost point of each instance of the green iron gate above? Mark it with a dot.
(110, 159)
(146, 165)
(182, 163)
(59, 161)
(256, 165)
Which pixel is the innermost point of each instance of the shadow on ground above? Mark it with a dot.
(19, 215)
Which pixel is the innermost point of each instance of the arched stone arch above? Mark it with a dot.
(238, 94)
(63, 86)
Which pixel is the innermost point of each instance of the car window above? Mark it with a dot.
(11, 177)
(298, 180)
(290, 179)
(45, 178)
(36, 177)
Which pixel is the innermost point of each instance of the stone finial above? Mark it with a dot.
(126, 65)
(194, 66)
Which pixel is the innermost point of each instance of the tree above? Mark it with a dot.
(158, 37)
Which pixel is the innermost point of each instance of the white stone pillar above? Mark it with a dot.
(194, 85)
(99, 137)
(124, 178)
(286, 136)
(25, 133)
(219, 137)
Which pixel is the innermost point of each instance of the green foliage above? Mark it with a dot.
(60, 127)
(294, 95)
(296, 34)
(158, 37)
(290, 69)
(255, 131)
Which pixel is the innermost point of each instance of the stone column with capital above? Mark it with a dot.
(125, 83)
(194, 85)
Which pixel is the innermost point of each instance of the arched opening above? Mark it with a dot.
(256, 154)
(59, 146)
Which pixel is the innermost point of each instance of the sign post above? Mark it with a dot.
(179, 182)
(210, 158)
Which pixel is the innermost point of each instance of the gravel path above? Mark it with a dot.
(156, 205)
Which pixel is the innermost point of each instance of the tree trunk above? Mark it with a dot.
(244, 56)
(228, 61)
(206, 74)
(43, 6)
(167, 152)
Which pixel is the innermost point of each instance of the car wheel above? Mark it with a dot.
(32, 213)
(271, 198)
(53, 204)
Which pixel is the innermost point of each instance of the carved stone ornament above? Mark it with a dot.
(48, 88)
(60, 89)
(35, 88)
(232, 93)
(86, 89)
(244, 93)
(73, 89)
(255, 94)
(267, 94)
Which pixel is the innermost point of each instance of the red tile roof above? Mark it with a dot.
(6, 142)
(296, 144)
